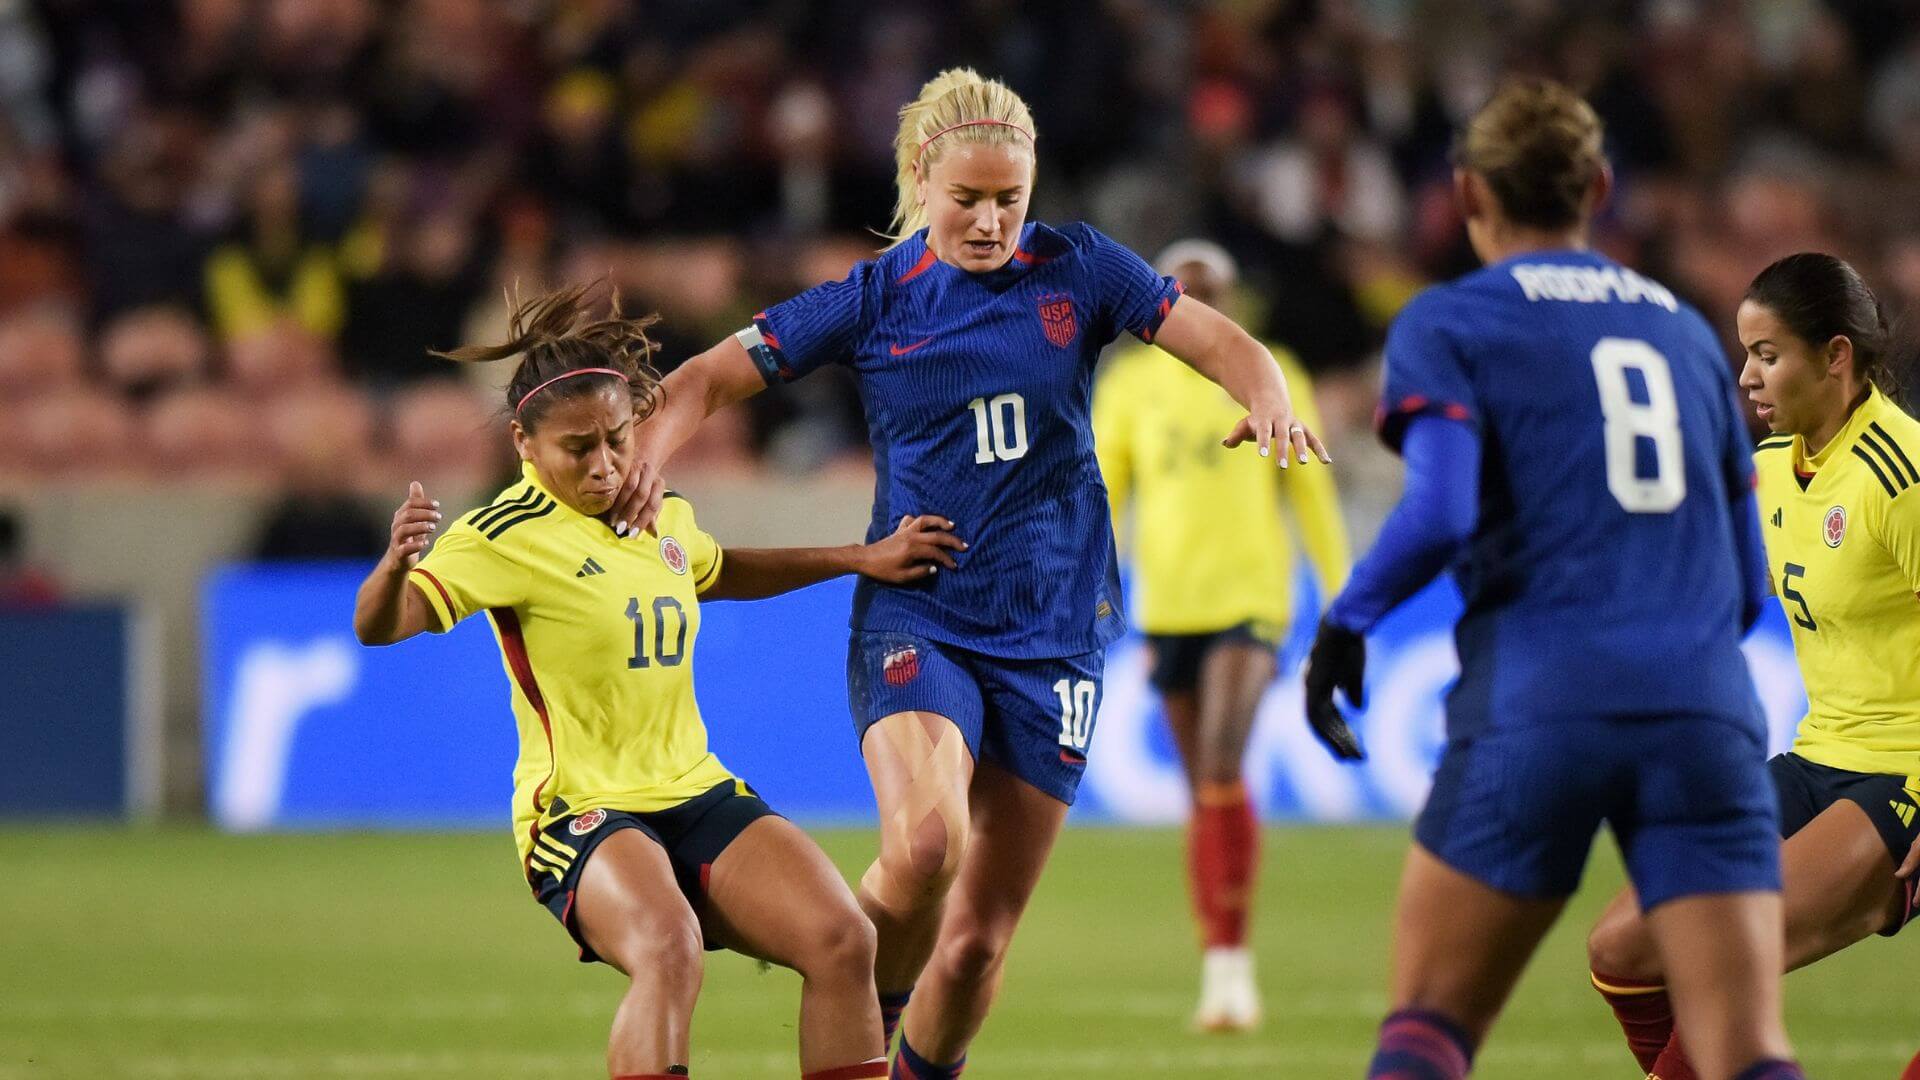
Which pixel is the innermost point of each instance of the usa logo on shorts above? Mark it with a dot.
(587, 822)
(1056, 314)
(900, 665)
(673, 555)
(1836, 526)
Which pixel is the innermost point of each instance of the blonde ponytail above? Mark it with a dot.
(956, 105)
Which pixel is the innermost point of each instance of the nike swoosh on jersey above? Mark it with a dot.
(898, 350)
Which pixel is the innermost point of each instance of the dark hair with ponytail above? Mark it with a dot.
(560, 333)
(1821, 297)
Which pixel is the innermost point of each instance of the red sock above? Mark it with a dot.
(1644, 1011)
(863, 1071)
(1223, 846)
(1672, 1064)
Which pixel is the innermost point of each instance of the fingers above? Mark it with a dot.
(1319, 448)
(1911, 863)
(1355, 687)
(1241, 432)
(1297, 441)
(630, 505)
(650, 510)
(415, 492)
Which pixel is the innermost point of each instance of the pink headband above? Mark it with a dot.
(967, 123)
(621, 375)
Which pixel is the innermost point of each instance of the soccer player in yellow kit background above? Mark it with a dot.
(1213, 569)
(1838, 486)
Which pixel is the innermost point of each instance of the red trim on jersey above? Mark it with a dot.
(452, 613)
(766, 332)
(514, 644)
(863, 1071)
(926, 262)
(1028, 258)
(706, 875)
(1455, 411)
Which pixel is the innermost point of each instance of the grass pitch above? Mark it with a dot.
(189, 954)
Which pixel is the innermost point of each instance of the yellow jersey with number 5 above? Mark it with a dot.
(597, 636)
(1842, 530)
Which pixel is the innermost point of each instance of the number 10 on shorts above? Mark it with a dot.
(1076, 712)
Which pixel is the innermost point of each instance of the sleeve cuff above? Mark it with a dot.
(764, 349)
(437, 597)
(1152, 326)
(706, 580)
(1391, 421)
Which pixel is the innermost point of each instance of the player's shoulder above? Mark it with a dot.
(1887, 449)
(511, 517)
(676, 510)
(1437, 309)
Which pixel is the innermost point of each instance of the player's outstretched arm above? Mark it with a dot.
(1216, 347)
(388, 609)
(695, 390)
(917, 549)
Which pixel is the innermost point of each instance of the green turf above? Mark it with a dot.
(187, 954)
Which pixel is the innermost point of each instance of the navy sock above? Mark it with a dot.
(1773, 1069)
(908, 1065)
(891, 1006)
(1419, 1045)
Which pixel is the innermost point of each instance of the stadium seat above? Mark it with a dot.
(153, 348)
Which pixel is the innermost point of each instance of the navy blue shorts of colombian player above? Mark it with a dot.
(1177, 658)
(1806, 790)
(1516, 806)
(693, 833)
(1033, 718)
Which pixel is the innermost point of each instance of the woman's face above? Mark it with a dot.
(581, 447)
(976, 199)
(1794, 384)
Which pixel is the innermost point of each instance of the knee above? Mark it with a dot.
(841, 949)
(665, 953)
(973, 954)
(1619, 945)
(921, 860)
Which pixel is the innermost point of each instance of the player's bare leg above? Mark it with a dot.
(1458, 948)
(1014, 828)
(773, 894)
(921, 769)
(1837, 888)
(631, 912)
(1225, 839)
(1723, 957)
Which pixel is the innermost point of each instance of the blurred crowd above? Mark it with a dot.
(230, 230)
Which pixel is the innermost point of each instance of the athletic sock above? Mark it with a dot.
(891, 1006)
(1672, 1064)
(866, 1070)
(908, 1065)
(1420, 1045)
(1772, 1069)
(1644, 1011)
(1223, 847)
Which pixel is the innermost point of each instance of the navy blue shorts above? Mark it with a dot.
(1806, 790)
(693, 833)
(1688, 798)
(1033, 718)
(1177, 658)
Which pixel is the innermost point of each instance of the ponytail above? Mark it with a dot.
(557, 338)
(956, 105)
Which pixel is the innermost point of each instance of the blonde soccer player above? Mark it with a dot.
(629, 829)
(1213, 572)
(973, 340)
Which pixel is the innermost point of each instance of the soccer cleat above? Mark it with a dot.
(1229, 1000)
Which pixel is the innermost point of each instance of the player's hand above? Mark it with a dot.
(1278, 432)
(413, 526)
(919, 547)
(1338, 661)
(1911, 863)
(637, 506)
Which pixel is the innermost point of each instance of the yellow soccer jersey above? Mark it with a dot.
(597, 635)
(1209, 548)
(1844, 552)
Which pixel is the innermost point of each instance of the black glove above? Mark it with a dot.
(1338, 660)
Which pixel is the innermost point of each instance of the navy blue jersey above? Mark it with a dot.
(1603, 578)
(978, 389)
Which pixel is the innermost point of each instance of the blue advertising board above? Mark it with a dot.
(67, 720)
(305, 728)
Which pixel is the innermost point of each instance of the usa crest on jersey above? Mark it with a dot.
(1056, 315)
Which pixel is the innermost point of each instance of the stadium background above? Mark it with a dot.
(229, 228)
